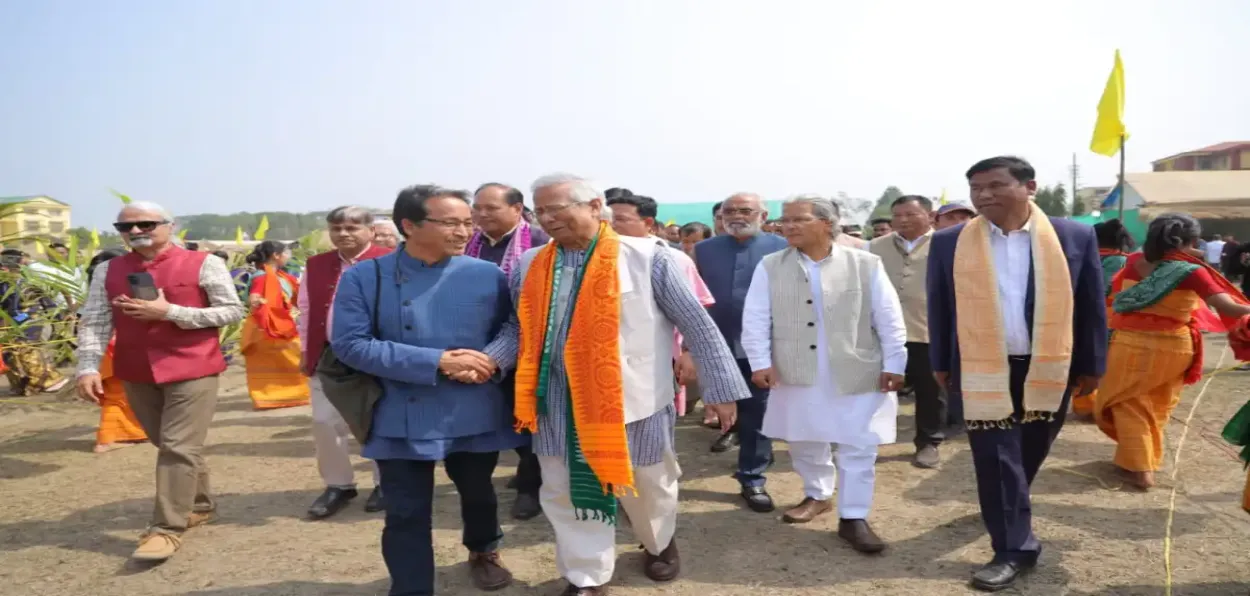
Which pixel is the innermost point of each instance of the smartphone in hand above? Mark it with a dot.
(142, 286)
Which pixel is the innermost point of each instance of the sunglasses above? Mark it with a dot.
(124, 227)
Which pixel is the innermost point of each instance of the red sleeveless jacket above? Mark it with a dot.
(159, 351)
(321, 279)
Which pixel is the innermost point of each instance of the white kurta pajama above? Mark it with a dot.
(812, 418)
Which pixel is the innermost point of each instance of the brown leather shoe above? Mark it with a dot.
(808, 510)
(665, 566)
(860, 535)
(573, 590)
(488, 572)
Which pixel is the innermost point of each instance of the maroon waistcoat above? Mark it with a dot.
(321, 279)
(159, 351)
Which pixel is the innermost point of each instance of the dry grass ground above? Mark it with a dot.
(69, 518)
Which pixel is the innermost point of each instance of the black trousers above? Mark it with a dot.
(931, 407)
(1006, 461)
(529, 477)
(407, 537)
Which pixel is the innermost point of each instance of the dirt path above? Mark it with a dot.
(69, 518)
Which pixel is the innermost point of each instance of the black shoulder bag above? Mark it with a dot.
(353, 393)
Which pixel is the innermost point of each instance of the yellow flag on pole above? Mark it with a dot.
(95, 240)
(182, 234)
(238, 235)
(1109, 130)
(943, 200)
(263, 228)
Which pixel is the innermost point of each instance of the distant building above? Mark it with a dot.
(1093, 196)
(25, 221)
(1234, 155)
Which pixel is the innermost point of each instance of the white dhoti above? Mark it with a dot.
(586, 549)
(332, 438)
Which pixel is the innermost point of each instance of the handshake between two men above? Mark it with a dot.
(467, 366)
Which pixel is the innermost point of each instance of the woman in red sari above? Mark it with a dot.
(118, 425)
(1156, 347)
(270, 341)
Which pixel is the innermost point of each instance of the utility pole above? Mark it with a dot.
(1075, 170)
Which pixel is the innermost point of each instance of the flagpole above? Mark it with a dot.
(1121, 183)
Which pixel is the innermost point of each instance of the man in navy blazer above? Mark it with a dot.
(1007, 459)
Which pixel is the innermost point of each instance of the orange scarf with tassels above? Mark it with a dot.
(592, 358)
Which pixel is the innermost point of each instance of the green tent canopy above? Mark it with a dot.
(1132, 221)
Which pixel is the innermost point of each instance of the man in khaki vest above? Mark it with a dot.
(823, 329)
(905, 254)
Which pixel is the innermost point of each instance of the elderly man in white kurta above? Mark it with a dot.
(823, 328)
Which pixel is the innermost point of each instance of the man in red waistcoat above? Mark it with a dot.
(351, 233)
(167, 356)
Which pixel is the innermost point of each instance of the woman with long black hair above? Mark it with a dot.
(271, 343)
(1156, 348)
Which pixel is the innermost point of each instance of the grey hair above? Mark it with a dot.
(580, 190)
(386, 222)
(146, 206)
(822, 208)
(350, 214)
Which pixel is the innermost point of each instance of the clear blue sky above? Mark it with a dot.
(247, 105)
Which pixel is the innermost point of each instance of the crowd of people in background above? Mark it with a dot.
(576, 333)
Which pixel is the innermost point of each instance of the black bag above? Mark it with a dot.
(353, 393)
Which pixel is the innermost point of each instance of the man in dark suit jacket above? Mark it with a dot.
(1007, 459)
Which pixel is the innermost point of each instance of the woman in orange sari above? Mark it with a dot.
(1156, 348)
(1114, 244)
(270, 342)
(118, 425)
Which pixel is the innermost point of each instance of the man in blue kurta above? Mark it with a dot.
(436, 309)
(726, 264)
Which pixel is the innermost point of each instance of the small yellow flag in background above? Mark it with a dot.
(943, 200)
(263, 228)
(238, 235)
(95, 240)
(671, 222)
(182, 234)
(1109, 130)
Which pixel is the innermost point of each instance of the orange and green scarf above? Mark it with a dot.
(596, 449)
(985, 375)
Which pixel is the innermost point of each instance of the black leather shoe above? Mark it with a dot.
(526, 506)
(725, 442)
(330, 502)
(998, 575)
(758, 499)
(374, 503)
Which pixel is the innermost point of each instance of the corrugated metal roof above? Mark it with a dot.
(1206, 194)
(1216, 148)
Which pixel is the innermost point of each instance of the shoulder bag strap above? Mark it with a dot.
(377, 297)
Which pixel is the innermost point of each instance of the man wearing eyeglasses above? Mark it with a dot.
(165, 305)
(726, 264)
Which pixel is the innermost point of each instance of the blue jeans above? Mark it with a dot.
(755, 451)
(407, 540)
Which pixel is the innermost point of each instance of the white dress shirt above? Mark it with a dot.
(1013, 259)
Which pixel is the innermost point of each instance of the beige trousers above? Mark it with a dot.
(176, 417)
(586, 549)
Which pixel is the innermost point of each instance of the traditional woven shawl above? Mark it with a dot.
(596, 447)
(984, 373)
(517, 245)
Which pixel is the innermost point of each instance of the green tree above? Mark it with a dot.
(1052, 200)
(882, 208)
(1078, 207)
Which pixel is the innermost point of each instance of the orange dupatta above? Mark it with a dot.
(274, 315)
(592, 358)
